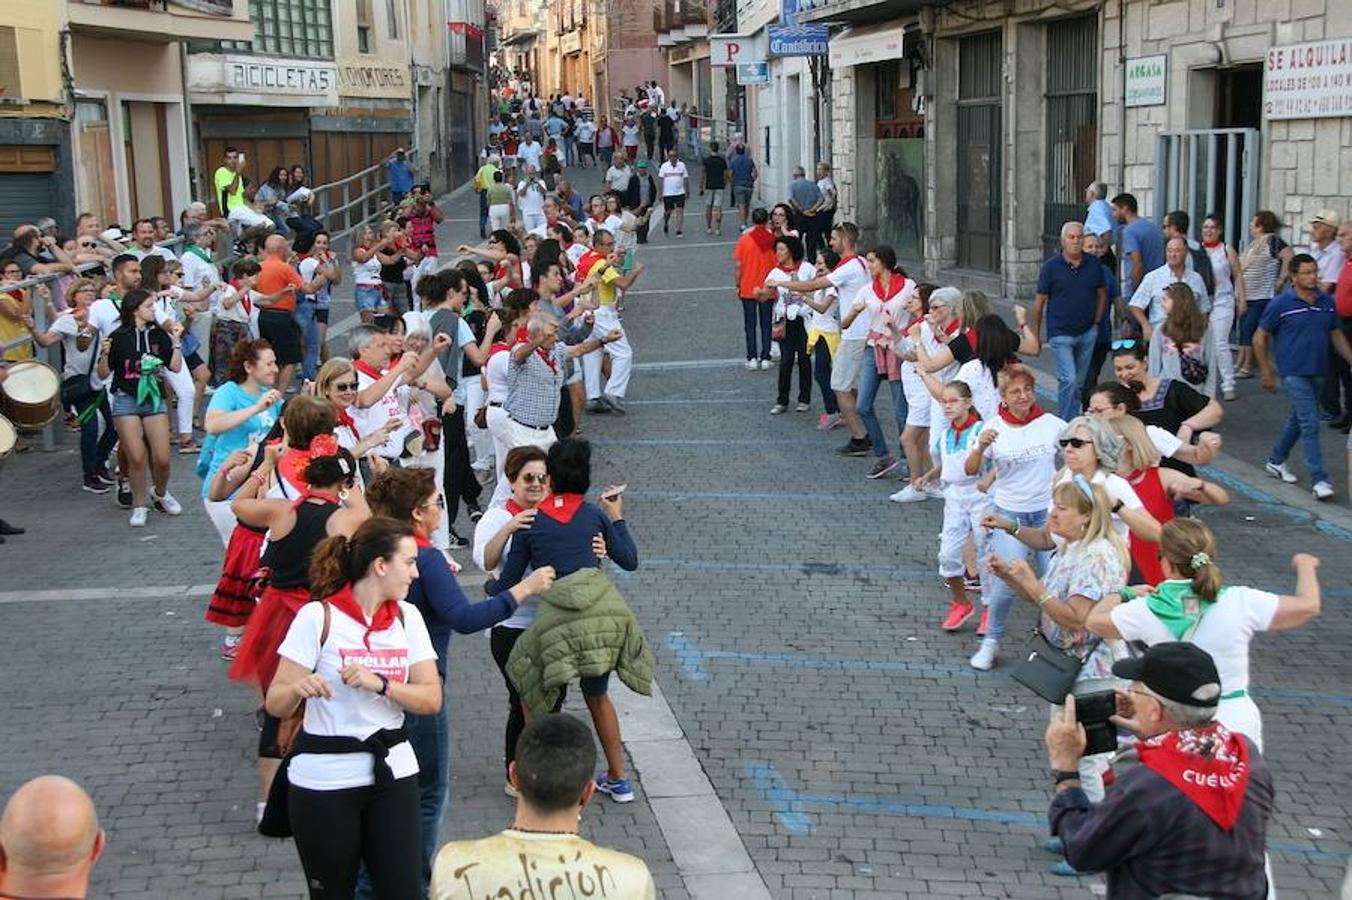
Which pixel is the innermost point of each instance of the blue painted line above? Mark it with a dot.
(692, 660)
(1336, 531)
(1226, 480)
(790, 808)
(801, 568)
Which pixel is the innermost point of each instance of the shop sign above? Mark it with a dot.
(799, 40)
(753, 73)
(261, 80)
(727, 50)
(1308, 81)
(361, 80)
(571, 42)
(1146, 77)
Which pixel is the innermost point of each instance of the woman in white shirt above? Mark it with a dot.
(915, 434)
(1227, 301)
(1020, 442)
(790, 316)
(355, 662)
(823, 337)
(1194, 604)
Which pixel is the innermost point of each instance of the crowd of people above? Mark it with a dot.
(336, 483)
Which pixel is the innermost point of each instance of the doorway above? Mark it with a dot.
(980, 139)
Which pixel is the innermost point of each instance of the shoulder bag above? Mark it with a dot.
(1049, 671)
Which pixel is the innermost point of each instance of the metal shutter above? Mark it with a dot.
(24, 198)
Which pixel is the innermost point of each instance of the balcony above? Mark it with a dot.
(680, 21)
(857, 12)
(163, 21)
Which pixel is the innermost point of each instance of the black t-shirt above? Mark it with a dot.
(715, 172)
(393, 273)
(126, 349)
(1173, 404)
(666, 127)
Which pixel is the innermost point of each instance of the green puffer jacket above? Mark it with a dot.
(584, 628)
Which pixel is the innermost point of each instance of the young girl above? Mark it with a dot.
(965, 503)
(915, 431)
(1184, 348)
(172, 301)
(233, 317)
(823, 337)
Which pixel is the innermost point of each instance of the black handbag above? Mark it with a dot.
(1049, 671)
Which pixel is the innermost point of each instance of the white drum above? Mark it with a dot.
(8, 437)
(30, 395)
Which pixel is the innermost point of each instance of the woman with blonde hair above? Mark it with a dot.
(1194, 604)
(336, 382)
(1184, 348)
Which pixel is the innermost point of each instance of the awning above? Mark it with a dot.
(860, 45)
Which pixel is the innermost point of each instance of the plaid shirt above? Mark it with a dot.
(533, 387)
(1150, 839)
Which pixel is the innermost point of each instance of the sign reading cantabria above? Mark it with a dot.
(1308, 81)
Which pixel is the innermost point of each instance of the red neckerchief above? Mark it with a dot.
(972, 419)
(787, 270)
(384, 617)
(1211, 245)
(513, 507)
(844, 260)
(498, 347)
(763, 238)
(1210, 765)
(367, 369)
(586, 262)
(561, 507)
(421, 540)
(345, 418)
(951, 328)
(894, 287)
(1014, 420)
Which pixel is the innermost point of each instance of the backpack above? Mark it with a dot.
(1201, 264)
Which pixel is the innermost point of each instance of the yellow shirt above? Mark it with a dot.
(221, 179)
(484, 177)
(11, 329)
(524, 864)
(605, 285)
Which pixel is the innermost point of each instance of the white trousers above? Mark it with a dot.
(963, 509)
(512, 435)
(1222, 318)
(480, 441)
(531, 220)
(184, 395)
(499, 216)
(620, 353)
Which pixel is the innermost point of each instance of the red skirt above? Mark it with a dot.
(256, 660)
(232, 602)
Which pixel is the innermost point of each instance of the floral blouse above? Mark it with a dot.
(1092, 570)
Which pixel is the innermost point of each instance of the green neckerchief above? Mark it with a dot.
(198, 252)
(148, 385)
(1174, 604)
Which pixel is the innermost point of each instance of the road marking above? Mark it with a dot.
(704, 844)
(789, 806)
(717, 288)
(650, 248)
(160, 592)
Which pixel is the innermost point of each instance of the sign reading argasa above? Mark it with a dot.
(1146, 79)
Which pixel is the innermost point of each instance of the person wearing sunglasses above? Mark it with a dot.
(336, 382)
(1164, 402)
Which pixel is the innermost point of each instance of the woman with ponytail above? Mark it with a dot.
(328, 505)
(1194, 604)
(352, 665)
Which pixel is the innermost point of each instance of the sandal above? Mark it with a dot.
(186, 447)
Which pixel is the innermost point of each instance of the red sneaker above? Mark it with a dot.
(958, 614)
(981, 628)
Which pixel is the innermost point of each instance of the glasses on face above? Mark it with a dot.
(438, 501)
(12, 273)
(87, 245)
(345, 387)
(1077, 443)
(533, 478)
(1123, 344)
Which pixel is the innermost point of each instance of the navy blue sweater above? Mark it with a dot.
(568, 546)
(444, 606)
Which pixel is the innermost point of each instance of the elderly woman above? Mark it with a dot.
(1093, 450)
(336, 382)
(1088, 566)
(1020, 443)
(1111, 401)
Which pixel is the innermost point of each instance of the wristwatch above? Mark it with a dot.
(385, 687)
(1060, 775)
(1117, 507)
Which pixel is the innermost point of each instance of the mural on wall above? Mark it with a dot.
(901, 196)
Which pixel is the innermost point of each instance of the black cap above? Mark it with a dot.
(1177, 670)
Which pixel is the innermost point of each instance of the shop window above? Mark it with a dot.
(301, 28)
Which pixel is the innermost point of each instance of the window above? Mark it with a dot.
(301, 28)
(363, 26)
(392, 16)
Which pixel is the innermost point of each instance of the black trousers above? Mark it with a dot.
(793, 352)
(460, 483)
(500, 643)
(337, 831)
(1336, 398)
(564, 425)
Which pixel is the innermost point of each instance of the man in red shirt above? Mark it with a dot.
(753, 258)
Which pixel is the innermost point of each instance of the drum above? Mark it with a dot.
(31, 394)
(8, 437)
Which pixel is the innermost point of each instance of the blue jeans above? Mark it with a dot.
(309, 337)
(754, 313)
(869, 380)
(1302, 422)
(821, 371)
(1072, 353)
(483, 214)
(999, 595)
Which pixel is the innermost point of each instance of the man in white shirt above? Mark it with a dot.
(656, 95)
(531, 193)
(529, 152)
(586, 136)
(675, 185)
(143, 241)
(618, 175)
(1147, 304)
(1328, 255)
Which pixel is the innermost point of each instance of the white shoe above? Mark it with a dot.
(138, 517)
(1279, 470)
(933, 492)
(777, 409)
(166, 504)
(984, 658)
(752, 365)
(1322, 490)
(765, 365)
(774, 351)
(908, 494)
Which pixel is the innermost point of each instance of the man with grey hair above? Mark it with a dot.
(1147, 303)
(804, 196)
(1071, 291)
(49, 840)
(1192, 817)
(383, 389)
(1098, 218)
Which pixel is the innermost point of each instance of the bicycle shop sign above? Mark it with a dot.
(1308, 81)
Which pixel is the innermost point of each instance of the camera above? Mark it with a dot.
(1093, 711)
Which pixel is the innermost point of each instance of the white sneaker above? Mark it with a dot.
(908, 494)
(752, 365)
(1279, 470)
(984, 658)
(774, 351)
(777, 409)
(138, 517)
(166, 504)
(1322, 490)
(765, 365)
(933, 492)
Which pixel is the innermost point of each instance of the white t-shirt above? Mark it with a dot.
(585, 131)
(826, 322)
(76, 362)
(849, 278)
(618, 178)
(367, 274)
(1024, 457)
(153, 251)
(495, 372)
(985, 396)
(1226, 628)
(789, 304)
(1117, 488)
(353, 712)
(894, 309)
(197, 272)
(629, 135)
(532, 194)
(105, 315)
(393, 404)
(530, 151)
(673, 177)
(236, 311)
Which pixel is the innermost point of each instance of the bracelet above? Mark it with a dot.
(1014, 529)
(258, 476)
(384, 685)
(1046, 598)
(1060, 775)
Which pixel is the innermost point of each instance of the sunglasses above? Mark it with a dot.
(1123, 344)
(1077, 443)
(88, 245)
(532, 478)
(345, 386)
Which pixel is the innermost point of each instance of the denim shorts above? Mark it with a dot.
(126, 405)
(370, 296)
